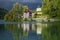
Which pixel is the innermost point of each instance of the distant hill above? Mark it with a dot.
(8, 4)
(2, 13)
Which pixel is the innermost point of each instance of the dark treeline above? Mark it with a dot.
(2, 13)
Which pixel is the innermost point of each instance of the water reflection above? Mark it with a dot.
(5, 34)
(23, 31)
(51, 31)
(28, 31)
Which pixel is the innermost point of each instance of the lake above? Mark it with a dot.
(18, 31)
(25, 30)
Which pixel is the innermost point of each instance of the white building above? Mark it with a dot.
(39, 11)
(26, 15)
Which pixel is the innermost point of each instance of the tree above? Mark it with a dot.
(15, 13)
(25, 8)
(51, 8)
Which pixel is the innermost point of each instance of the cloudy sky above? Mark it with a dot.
(34, 1)
(32, 4)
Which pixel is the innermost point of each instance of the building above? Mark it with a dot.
(28, 14)
(38, 15)
(39, 11)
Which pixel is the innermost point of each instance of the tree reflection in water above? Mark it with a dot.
(51, 32)
(25, 31)
(17, 32)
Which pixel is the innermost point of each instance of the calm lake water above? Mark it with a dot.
(22, 31)
(19, 31)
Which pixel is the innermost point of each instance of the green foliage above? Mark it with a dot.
(51, 7)
(25, 8)
(15, 14)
